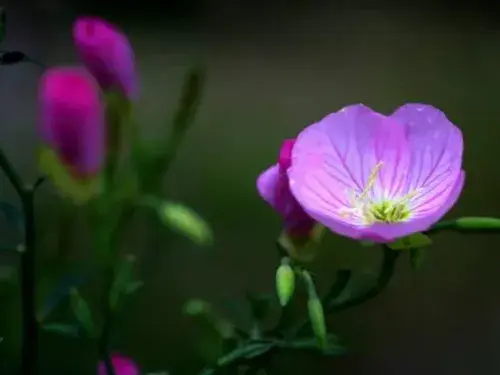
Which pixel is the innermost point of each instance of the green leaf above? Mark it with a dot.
(62, 329)
(123, 278)
(13, 215)
(82, 312)
(332, 347)
(79, 191)
(183, 220)
(417, 258)
(248, 351)
(413, 241)
(60, 291)
(133, 286)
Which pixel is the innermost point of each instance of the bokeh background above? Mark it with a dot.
(274, 67)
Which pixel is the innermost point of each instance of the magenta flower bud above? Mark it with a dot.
(273, 186)
(121, 364)
(106, 52)
(71, 119)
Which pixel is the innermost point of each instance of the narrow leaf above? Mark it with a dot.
(246, 352)
(82, 312)
(122, 280)
(12, 58)
(60, 291)
(332, 346)
(62, 329)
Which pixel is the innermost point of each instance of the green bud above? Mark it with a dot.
(285, 282)
(478, 223)
(315, 311)
(317, 319)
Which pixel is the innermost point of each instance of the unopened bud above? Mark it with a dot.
(317, 319)
(285, 282)
(315, 311)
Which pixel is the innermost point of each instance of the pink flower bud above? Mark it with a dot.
(274, 187)
(121, 364)
(106, 52)
(71, 119)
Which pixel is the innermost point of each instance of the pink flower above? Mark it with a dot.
(373, 177)
(121, 364)
(106, 52)
(273, 186)
(71, 119)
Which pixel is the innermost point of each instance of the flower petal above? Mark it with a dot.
(389, 232)
(436, 155)
(336, 156)
(71, 118)
(107, 53)
(266, 184)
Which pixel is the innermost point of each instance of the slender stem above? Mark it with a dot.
(27, 275)
(106, 329)
(385, 276)
(188, 105)
(39, 181)
(30, 326)
(11, 173)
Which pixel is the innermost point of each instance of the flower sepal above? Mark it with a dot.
(413, 241)
(79, 190)
(302, 248)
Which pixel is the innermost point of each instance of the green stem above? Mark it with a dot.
(190, 99)
(385, 276)
(104, 351)
(27, 275)
(12, 175)
(30, 326)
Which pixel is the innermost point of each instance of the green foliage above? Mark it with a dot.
(124, 283)
(413, 241)
(82, 312)
(63, 329)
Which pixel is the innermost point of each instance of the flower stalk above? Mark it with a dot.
(27, 275)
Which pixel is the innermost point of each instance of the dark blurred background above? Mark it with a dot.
(274, 67)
